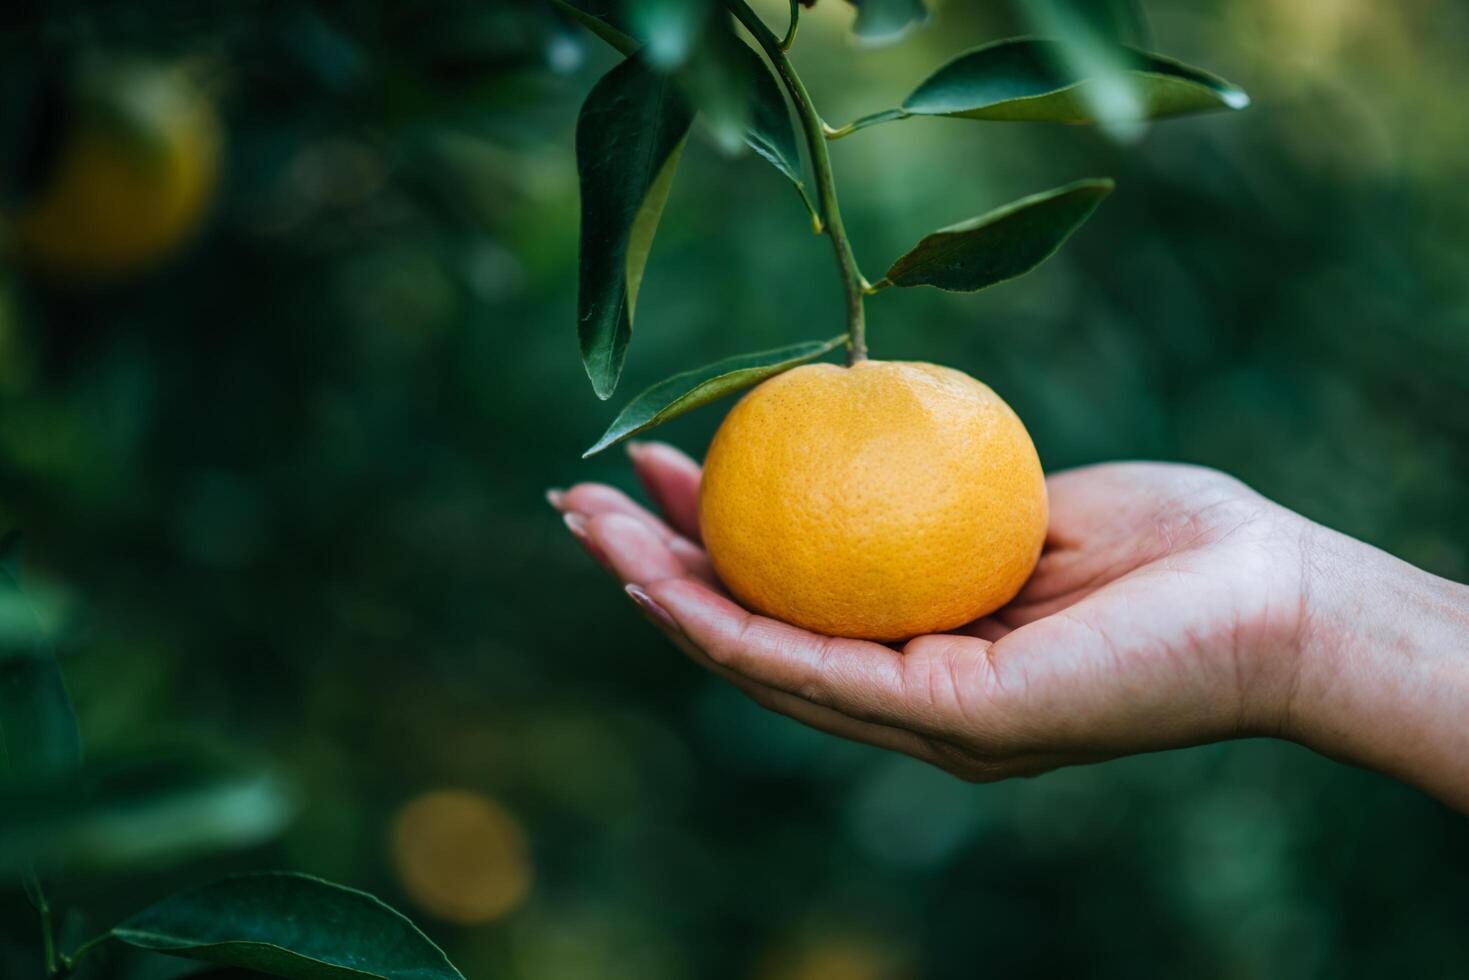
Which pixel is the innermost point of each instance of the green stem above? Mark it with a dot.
(787, 42)
(48, 935)
(887, 115)
(853, 284)
(69, 963)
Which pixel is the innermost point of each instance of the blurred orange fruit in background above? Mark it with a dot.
(132, 175)
(461, 856)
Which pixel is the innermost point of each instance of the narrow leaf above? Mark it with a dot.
(140, 813)
(627, 142)
(39, 742)
(685, 392)
(886, 21)
(601, 18)
(719, 81)
(1003, 244)
(1025, 79)
(289, 925)
(772, 135)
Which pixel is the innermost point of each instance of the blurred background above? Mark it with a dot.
(278, 432)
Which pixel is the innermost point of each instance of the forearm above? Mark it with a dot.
(1383, 678)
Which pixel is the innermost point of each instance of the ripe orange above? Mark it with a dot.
(133, 177)
(882, 501)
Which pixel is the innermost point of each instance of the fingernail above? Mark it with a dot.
(577, 525)
(555, 496)
(656, 612)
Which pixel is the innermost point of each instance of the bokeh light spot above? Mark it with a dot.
(461, 856)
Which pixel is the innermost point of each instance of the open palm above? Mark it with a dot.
(1165, 611)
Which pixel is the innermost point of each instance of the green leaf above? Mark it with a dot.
(628, 139)
(141, 812)
(772, 135)
(289, 925)
(39, 742)
(719, 81)
(601, 17)
(1003, 244)
(687, 391)
(886, 21)
(1024, 79)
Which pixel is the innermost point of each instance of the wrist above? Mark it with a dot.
(1382, 675)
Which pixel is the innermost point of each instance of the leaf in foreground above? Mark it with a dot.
(1026, 79)
(628, 139)
(771, 134)
(685, 392)
(719, 81)
(1003, 244)
(289, 925)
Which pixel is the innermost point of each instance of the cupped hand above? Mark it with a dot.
(1169, 608)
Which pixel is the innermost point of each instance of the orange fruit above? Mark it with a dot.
(461, 856)
(134, 175)
(881, 501)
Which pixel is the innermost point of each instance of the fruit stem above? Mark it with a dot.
(790, 38)
(853, 283)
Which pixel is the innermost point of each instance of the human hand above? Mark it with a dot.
(1172, 606)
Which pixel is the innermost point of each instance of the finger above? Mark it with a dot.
(672, 480)
(989, 628)
(857, 678)
(637, 555)
(598, 498)
(592, 499)
(815, 716)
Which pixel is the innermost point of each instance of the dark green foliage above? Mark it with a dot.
(1029, 80)
(39, 744)
(628, 142)
(1005, 243)
(685, 392)
(288, 925)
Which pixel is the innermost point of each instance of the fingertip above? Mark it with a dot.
(584, 498)
(577, 524)
(659, 452)
(652, 608)
(636, 552)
